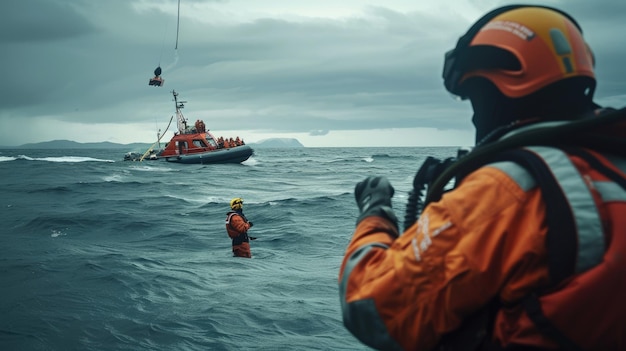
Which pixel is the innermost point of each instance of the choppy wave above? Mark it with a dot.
(67, 159)
(114, 255)
(369, 158)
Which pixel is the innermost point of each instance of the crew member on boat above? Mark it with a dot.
(237, 226)
(200, 126)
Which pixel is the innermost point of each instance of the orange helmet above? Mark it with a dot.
(520, 49)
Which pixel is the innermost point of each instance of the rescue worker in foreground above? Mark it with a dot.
(237, 226)
(481, 249)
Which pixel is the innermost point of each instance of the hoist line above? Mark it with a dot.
(177, 25)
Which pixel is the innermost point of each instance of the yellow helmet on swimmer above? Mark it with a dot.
(236, 203)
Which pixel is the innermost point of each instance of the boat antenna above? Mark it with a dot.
(180, 119)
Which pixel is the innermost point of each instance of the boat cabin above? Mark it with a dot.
(190, 143)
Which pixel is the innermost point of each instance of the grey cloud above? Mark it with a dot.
(40, 21)
(382, 70)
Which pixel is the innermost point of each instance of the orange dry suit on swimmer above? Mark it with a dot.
(237, 226)
(538, 236)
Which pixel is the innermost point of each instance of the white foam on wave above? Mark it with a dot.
(71, 159)
(56, 233)
(250, 162)
(215, 199)
(113, 178)
(368, 159)
(152, 169)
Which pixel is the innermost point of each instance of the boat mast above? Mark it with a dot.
(180, 119)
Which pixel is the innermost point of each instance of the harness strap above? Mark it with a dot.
(572, 219)
(583, 224)
(561, 240)
(242, 237)
(575, 239)
(561, 244)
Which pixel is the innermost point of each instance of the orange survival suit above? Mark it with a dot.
(486, 241)
(237, 226)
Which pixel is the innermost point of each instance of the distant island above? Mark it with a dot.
(68, 144)
(277, 143)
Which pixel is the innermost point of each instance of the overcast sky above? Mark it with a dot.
(327, 72)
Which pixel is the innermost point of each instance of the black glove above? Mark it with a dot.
(250, 223)
(373, 196)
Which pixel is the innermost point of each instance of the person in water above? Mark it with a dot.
(527, 251)
(237, 226)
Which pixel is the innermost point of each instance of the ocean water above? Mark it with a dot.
(103, 254)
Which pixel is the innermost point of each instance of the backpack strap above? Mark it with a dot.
(561, 241)
(575, 238)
